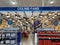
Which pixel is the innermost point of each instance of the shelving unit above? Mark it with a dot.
(48, 37)
(8, 37)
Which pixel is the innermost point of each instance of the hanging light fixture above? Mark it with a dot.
(55, 15)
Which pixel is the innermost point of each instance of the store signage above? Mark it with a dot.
(28, 8)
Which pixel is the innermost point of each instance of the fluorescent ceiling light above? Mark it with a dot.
(13, 3)
(52, 2)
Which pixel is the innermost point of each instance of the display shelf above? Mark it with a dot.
(8, 30)
(11, 28)
(46, 29)
(48, 34)
(46, 37)
(8, 37)
(49, 38)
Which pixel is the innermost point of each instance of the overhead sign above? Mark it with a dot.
(28, 8)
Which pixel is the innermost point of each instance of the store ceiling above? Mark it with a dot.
(28, 3)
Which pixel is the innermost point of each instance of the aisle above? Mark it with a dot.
(28, 41)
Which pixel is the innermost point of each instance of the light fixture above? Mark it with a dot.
(8, 16)
(52, 1)
(59, 13)
(49, 14)
(32, 17)
(40, 16)
(55, 15)
(13, 3)
(26, 22)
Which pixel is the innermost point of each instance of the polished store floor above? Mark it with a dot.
(28, 41)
